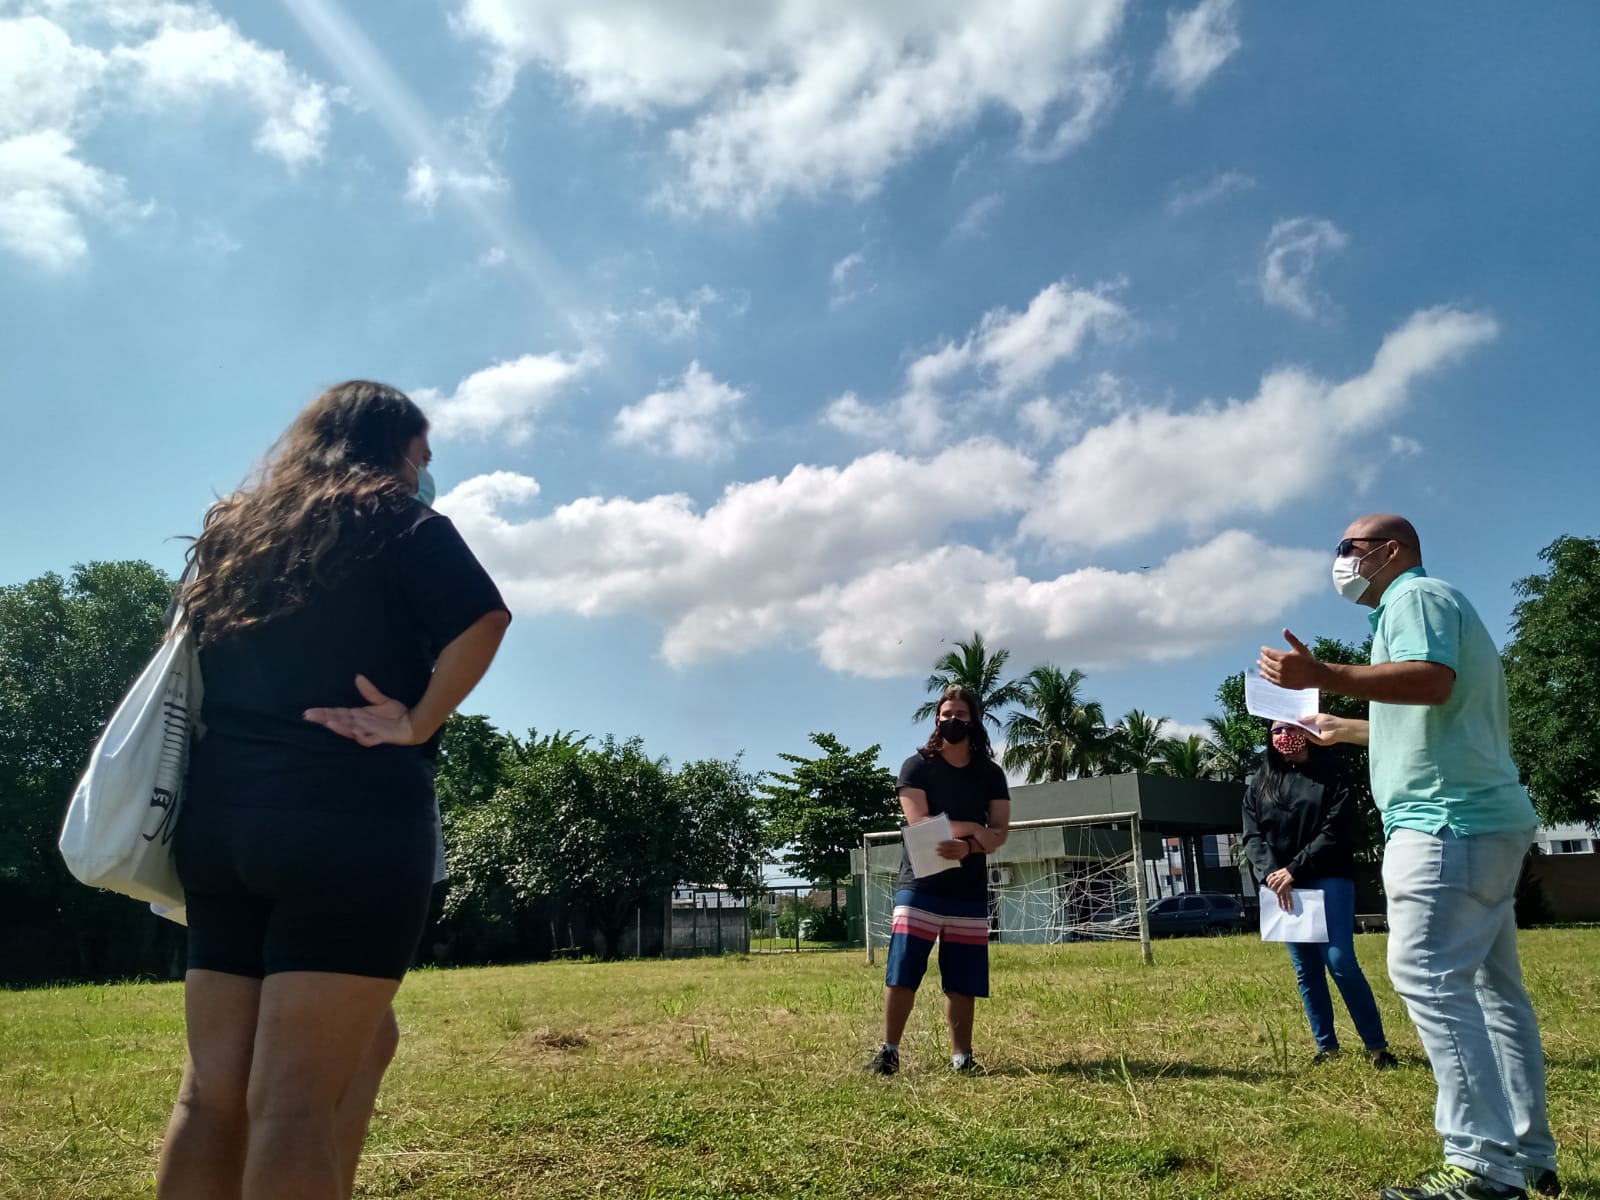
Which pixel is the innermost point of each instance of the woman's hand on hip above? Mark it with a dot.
(383, 722)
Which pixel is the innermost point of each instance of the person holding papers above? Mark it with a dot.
(1459, 825)
(1299, 832)
(954, 779)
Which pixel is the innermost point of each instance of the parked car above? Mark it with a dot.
(1186, 915)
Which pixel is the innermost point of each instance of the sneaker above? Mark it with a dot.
(969, 1066)
(1382, 1060)
(1451, 1182)
(1324, 1056)
(1543, 1181)
(884, 1062)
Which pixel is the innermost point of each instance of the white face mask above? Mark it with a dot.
(1348, 580)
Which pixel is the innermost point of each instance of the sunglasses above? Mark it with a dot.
(1348, 544)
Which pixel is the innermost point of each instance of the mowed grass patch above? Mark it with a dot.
(740, 1077)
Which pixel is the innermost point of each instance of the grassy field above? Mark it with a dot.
(741, 1077)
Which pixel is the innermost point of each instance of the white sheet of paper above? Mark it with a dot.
(1306, 922)
(922, 844)
(1263, 699)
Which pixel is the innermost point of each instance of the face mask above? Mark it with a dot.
(1289, 742)
(954, 729)
(425, 487)
(1348, 580)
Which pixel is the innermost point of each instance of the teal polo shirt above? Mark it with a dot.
(1437, 766)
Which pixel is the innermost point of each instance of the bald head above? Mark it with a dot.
(1387, 546)
(1388, 527)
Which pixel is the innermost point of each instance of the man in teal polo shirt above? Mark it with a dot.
(1458, 824)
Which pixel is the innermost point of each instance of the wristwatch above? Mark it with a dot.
(971, 840)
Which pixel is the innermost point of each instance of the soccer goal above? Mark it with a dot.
(1057, 879)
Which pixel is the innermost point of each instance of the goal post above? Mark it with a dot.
(1057, 879)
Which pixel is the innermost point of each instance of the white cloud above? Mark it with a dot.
(65, 63)
(1049, 419)
(770, 540)
(1007, 352)
(1153, 468)
(494, 256)
(771, 98)
(975, 220)
(1189, 195)
(504, 400)
(1198, 42)
(867, 564)
(696, 419)
(888, 621)
(846, 279)
(196, 54)
(672, 319)
(1292, 250)
(849, 561)
(43, 189)
(425, 183)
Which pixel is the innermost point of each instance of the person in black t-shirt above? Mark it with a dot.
(954, 774)
(1300, 825)
(340, 621)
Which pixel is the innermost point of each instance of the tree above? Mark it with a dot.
(472, 760)
(1186, 757)
(1058, 733)
(973, 667)
(69, 649)
(1553, 682)
(723, 837)
(596, 827)
(1137, 741)
(817, 812)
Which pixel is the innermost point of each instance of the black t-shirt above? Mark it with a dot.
(387, 618)
(962, 794)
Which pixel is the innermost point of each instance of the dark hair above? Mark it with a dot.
(324, 498)
(1269, 775)
(979, 737)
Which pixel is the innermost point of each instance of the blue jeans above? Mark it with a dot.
(1453, 959)
(1315, 961)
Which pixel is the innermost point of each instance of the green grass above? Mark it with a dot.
(740, 1077)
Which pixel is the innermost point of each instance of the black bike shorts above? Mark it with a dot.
(273, 889)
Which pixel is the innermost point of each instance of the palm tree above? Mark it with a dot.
(971, 666)
(1233, 746)
(1059, 734)
(1186, 758)
(1138, 741)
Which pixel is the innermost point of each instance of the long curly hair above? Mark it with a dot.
(327, 496)
(978, 737)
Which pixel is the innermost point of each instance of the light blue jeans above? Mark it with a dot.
(1315, 961)
(1453, 960)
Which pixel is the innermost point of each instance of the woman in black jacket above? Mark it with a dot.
(1300, 832)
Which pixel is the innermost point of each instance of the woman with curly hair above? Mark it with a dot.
(954, 774)
(340, 621)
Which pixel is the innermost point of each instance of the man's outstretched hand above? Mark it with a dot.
(1294, 668)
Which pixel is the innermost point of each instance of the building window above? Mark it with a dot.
(1571, 846)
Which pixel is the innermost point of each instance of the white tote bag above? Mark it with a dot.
(119, 826)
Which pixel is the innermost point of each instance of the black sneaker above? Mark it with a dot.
(1451, 1182)
(1324, 1056)
(969, 1065)
(885, 1062)
(1382, 1060)
(1545, 1182)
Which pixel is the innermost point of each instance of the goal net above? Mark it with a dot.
(1057, 879)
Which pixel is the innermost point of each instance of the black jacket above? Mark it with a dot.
(1310, 827)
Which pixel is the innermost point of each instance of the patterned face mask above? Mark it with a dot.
(1288, 742)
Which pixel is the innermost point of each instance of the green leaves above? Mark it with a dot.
(817, 812)
(1553, 682)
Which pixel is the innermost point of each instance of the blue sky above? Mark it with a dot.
(772, 347)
